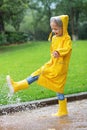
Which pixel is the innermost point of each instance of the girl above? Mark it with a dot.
(53, 74)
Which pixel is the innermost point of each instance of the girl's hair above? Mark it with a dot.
(57, 20)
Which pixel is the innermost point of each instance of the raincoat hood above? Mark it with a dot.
(64, 19)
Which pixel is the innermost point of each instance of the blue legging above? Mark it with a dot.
(31, 79)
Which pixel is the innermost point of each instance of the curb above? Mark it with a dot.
(5, 109)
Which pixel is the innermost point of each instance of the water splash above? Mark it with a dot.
(8, 98)
(13, 99)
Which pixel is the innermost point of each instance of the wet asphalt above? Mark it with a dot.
(42, 119)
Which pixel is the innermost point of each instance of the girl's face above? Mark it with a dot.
(58, 31)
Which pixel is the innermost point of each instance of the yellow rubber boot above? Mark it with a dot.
(62, 108)
(16, 86)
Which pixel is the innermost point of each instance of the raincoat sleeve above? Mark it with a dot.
(67, 47)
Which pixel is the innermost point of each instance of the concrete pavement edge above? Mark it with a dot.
(5, 109)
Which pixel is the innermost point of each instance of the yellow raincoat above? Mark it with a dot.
(53, 73)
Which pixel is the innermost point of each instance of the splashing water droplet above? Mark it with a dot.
(18, 100)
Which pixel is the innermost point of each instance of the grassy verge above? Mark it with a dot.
(21, 60)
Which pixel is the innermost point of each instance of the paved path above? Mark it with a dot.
(41, 119)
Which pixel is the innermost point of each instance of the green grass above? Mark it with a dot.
(21, 60)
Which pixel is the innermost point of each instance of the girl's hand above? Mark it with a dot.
(55, 54)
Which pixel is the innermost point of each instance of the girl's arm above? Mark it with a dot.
(66, 48)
